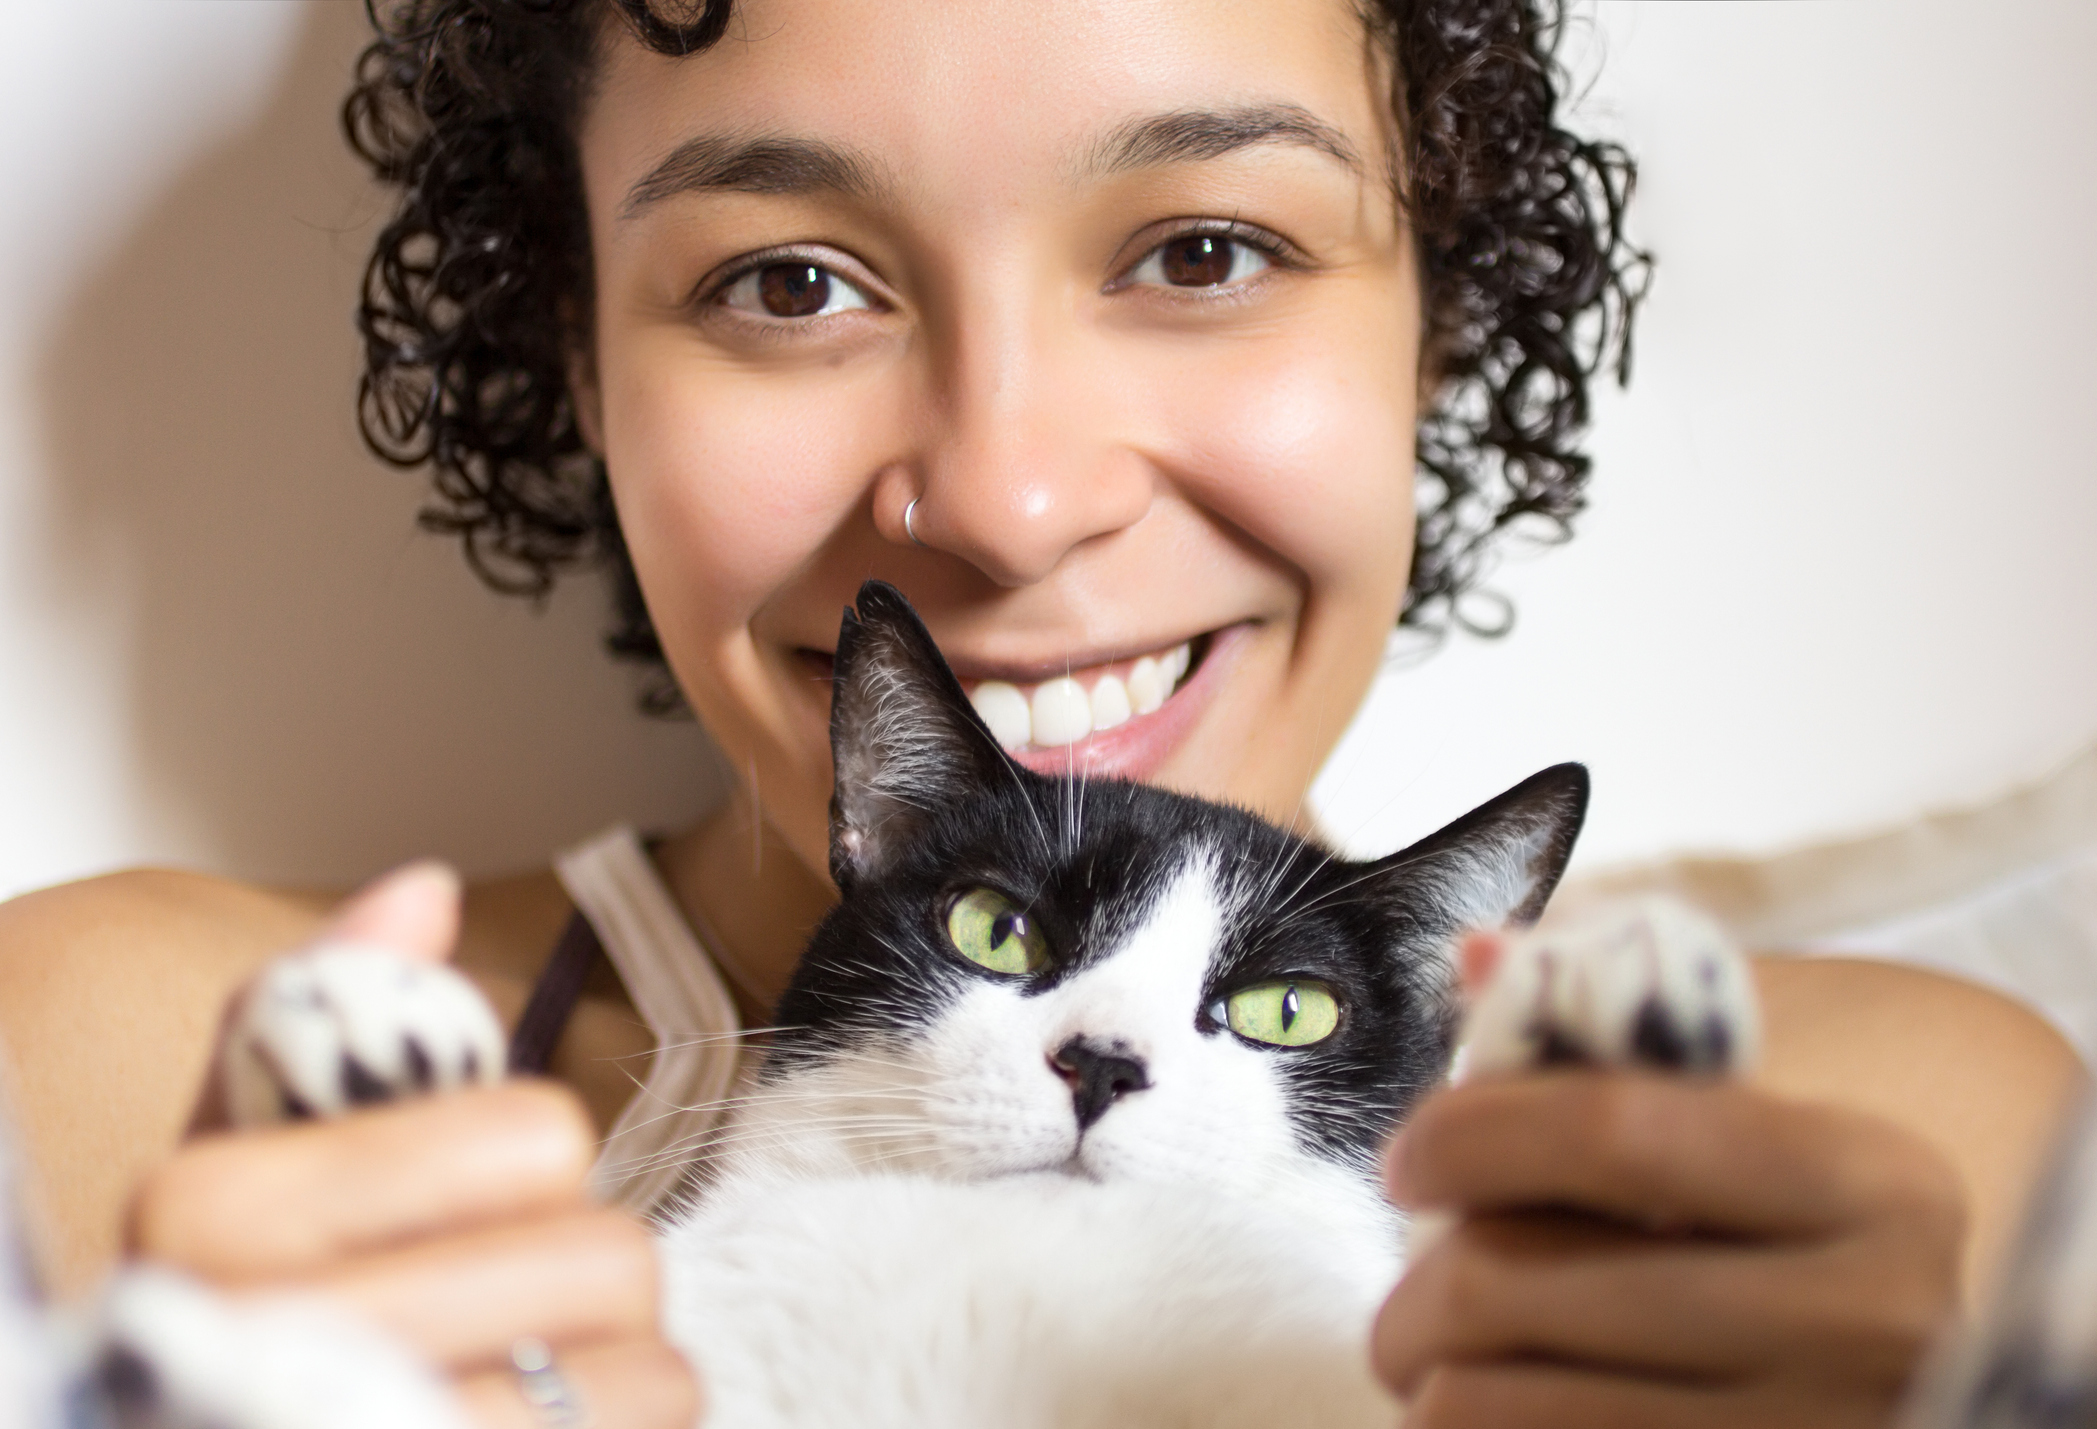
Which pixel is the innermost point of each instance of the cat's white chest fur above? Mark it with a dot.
(916, 1231)
(1042, 1300)
(869, 1258)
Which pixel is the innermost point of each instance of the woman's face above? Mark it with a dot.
(1115, 293)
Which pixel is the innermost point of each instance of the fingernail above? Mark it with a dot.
(420, 883)
(418, 870)
(1478, 958)
(421, 874)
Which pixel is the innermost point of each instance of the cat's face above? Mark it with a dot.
(1031, 974)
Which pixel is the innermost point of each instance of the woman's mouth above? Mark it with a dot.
(1057, 713)
(1119, 719)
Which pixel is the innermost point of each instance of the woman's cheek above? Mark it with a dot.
(1307, 448)
(728, 480)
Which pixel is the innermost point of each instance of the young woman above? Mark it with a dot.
(1104, 332)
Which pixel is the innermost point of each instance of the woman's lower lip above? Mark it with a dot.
(1138, 747)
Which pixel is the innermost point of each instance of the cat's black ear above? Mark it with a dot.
(1500, 862)
(903, 737)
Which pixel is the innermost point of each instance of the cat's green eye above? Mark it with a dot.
(1283, 1014)
(992, 931)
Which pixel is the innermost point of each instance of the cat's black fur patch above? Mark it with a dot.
(360, 1087)
(928, 806)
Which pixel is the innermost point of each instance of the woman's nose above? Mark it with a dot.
(1023, 460)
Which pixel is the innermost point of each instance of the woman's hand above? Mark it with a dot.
(1639, 1250)
(462, 1223)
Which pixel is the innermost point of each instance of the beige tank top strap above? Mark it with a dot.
(671, 978)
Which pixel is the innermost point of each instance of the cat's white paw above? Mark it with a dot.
(172, 1354)
(1644, 982)
(344, 1025)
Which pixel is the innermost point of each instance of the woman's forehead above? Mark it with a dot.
(981, 88)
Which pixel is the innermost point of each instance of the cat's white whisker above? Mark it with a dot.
(708, 1039)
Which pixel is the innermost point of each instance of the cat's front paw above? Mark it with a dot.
(344, 1025)
(1646, 982)
(170, 1353)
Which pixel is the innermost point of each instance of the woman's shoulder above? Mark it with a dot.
(1979, 1076)
(142, 958)
(149, 916)
(1841, 1017)
(148, 951)
(171, 928)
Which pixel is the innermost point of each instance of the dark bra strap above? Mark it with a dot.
(554, 997)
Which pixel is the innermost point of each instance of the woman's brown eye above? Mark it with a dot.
(792, 290)
(1201, 260)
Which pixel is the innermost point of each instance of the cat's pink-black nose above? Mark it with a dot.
(1098, 1076)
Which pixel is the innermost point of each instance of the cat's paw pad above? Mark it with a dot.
(1646, 982)
(344, 1025)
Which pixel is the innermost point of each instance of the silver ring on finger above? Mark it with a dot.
(540, 1381)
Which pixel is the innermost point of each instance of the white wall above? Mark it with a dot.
(1839, 565)
(1835, 570)
(222, 642)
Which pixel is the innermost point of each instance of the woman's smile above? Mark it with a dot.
(1118, 716)
(1108, 367)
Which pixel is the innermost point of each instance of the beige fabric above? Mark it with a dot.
(2032, 935)
(2003, 893)
(671, 978)
(1788, 897)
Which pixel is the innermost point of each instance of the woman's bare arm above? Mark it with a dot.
(110, 995)
(1982, 1080)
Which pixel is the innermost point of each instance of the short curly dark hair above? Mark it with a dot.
(478, 292)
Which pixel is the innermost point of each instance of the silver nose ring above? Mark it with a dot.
(910, 522)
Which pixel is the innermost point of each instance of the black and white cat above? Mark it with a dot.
(1073, 1112)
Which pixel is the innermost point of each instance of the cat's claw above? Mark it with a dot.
(344, 1025)
(1646, 982)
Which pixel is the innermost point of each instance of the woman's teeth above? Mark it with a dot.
(1062, 711)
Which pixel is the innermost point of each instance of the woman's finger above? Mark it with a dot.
(1573, 1290)
(464, 1300)
(1542, 1396)
(414, 910)
(289, 1201)
(631, 1384)
(1662, 1151)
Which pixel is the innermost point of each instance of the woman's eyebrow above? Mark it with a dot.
(1183, 136)
(761, 165)
(776, 164)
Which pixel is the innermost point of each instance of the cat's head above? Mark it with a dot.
(1030, 973)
